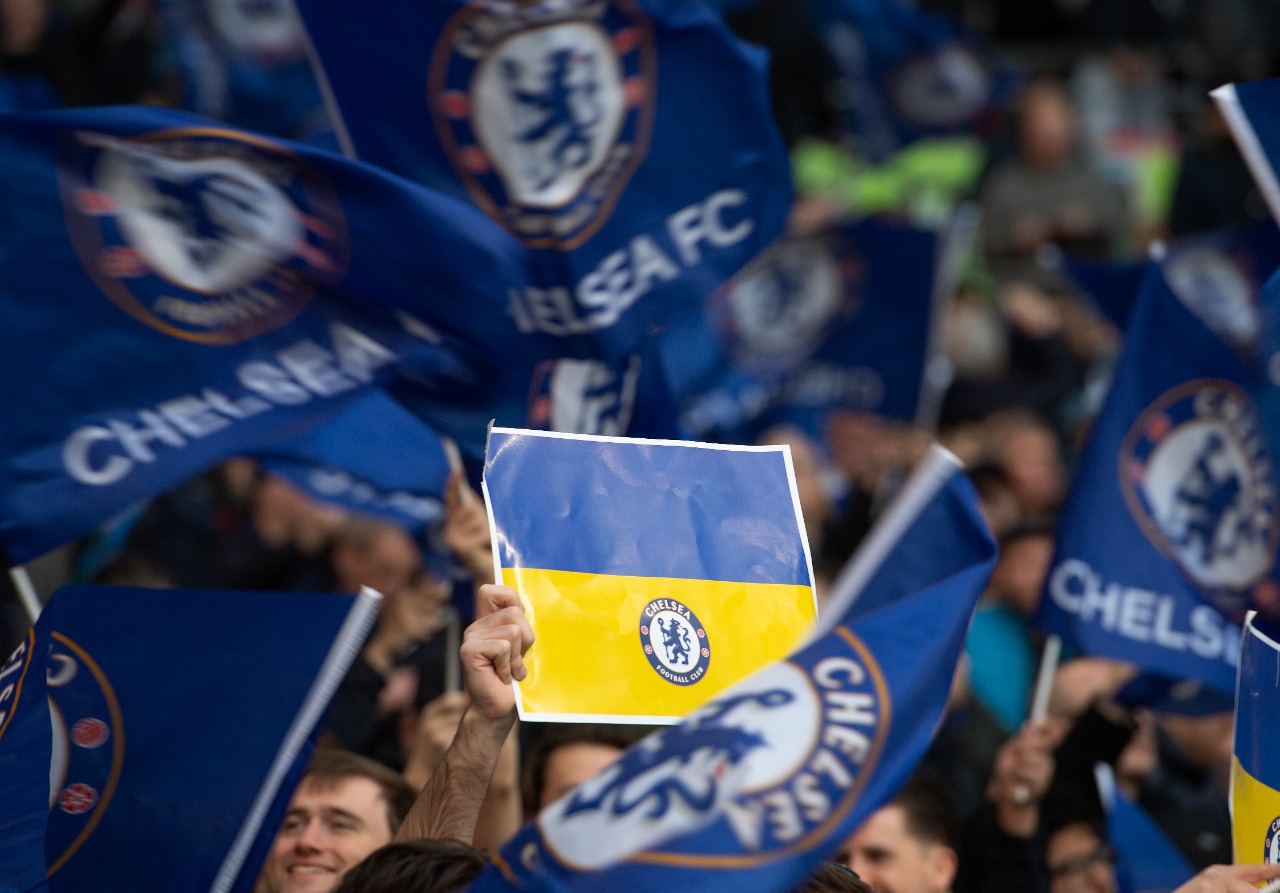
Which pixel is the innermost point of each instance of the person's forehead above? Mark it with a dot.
(581, 756)
(887, 825)
(1072, 840)
(354, 794)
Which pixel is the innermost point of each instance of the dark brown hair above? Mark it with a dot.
(533, 777)
(329, 766)
(415, 866)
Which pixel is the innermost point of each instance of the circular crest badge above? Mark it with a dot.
(1213, 285)
(1198, 479)
(796, 739)
(674, 641)
(1271, 846)
(942, 89)
(88, 748)
(782, 306)
(546, 111)
(269, 31)
(204, 234)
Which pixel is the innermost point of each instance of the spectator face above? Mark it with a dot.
(327, 830)
(571, 765)
(885, 854)
(1205, 741)
(1029, 456)
(22, 24)
(387, 563)
(1079, 862)
(1048, 133)
(1021, 571)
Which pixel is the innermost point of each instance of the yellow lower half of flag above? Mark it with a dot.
(589, 659)
(1255, 818)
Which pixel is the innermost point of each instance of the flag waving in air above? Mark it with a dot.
(175, 293)
(628, 143)
(757, 785)
(686, 568)
(907, 74)
(150, 739)
(1252, 111)
(1171, 530)
(1255, 764)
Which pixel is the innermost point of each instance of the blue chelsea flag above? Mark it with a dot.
(1170, 529)
(842, 319)
(906, 74)
(246, 64)
(629, 144)
(1252, 111)
(175, 293)
(375, 457)
(150, 739)
(1217, 273)
(760, 783)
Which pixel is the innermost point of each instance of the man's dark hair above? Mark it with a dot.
(927, 812)
(833, 878)
(329, 766)
(415, 866)
(533, 777)
(988, 478)
(1036, 527)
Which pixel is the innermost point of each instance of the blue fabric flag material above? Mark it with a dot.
(150, 739)
(1170, 530)
(246, 64)
(1217, 274)
(374, 457)
(175, 293)
(906, 74)
(1147, 861)
(759, 784)
(838, 320)
(629, 143)
(1255, 762)
(1252, 112)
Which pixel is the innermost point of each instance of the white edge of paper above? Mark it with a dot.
(527, 715)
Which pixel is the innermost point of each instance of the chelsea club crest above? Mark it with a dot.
(779, 757)
(1197, 477)
(545, 110)
(1213, 284)
(203, 234)
(674, 641)
(941, 89)
(783, 305)
(1271, 846)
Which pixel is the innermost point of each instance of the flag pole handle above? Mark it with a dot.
(454, 458)
(452, 659)
(26, 591)
(1040, 700)
(1044, 679)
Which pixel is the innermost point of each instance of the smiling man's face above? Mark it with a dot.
(328, 829)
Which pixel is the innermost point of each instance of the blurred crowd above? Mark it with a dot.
(1110, 145)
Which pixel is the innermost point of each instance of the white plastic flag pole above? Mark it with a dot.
(452, 642)
(454, 458)
(1040, 699)
(26, 591)
(1044, 679)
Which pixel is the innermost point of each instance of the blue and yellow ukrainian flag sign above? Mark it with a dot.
(1255, 765)
(655, 573)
